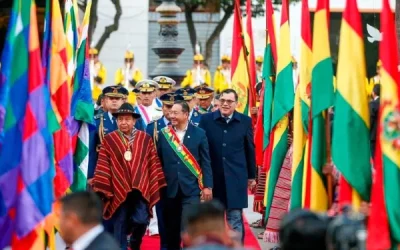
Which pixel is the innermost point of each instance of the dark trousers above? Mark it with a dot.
(124, 222)
(160, 207)
(175, 210)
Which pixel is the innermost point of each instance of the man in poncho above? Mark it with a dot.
(128, 178)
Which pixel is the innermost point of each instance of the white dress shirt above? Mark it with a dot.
(84, 241)
(181, 133)
(111, 117)
(165, 121)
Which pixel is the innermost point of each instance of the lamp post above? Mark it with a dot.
(167, 47)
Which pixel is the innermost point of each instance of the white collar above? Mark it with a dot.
(111, 117)
(84, 241)
(187, 124)
(165, 121)
(376, 97)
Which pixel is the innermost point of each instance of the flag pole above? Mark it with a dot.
(252, 94)
(328, 157)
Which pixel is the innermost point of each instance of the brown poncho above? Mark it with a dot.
(115, 177)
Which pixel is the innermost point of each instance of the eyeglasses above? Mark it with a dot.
(229, 102)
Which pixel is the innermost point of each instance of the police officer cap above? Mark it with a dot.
(171, 98)
(164, 82)
(187, 93)
(115, 91)
(147, 86)
(204, 92)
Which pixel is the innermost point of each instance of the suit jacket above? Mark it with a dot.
(232, 156)
(374, 116)
(103, 241)
(176, 172)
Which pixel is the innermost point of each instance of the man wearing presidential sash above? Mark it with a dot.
(165, 85)
(128, 178)
(184, 155)
(148, 110)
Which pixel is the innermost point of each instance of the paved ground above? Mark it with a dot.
(251, 217)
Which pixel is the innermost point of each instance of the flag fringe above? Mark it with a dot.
(271, 236)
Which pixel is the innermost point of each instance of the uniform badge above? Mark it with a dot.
(195, 114)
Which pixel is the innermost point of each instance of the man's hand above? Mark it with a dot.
(206, 194)
(251, 184)
(254, 110)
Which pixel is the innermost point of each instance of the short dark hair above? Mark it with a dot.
(229, 91)
(184, 105)
(377, 89)
(87, 205)
(210, 210)
(216, 97)
(302, 229)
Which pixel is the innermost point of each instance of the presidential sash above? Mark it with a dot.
(183, 153)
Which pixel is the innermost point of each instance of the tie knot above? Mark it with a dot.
(226, 118)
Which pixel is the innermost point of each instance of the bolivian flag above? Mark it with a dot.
(240, 73)
(389, 135)
(282, 105)
(321, 100)
(350, 145)
(301, 112)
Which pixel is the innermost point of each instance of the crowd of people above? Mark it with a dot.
(158, 152)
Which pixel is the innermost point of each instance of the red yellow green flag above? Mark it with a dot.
(388, 162)
(301, 112)
(351, 154)
(240, 73)
(282, 104)
(321, 100)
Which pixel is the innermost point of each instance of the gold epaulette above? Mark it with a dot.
(101, 132)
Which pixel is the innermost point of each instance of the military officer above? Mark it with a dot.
(205, 96)
(148, 110)
(98, 73)
(374, 80)
(189, 97)
(128, 76)
(165, 85)
(222, 76)
(114, 97)
(100, 106)
(198, 75)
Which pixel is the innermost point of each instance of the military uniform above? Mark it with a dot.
(259, 61)
(165, 85)
(188, 94)
(222, 76)
(374, 80)
(98, 74)
(129, 76)
(197, 75)
(203, 93)
(105, 123)
(148, 113)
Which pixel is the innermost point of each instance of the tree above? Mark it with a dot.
(190, 6)
(93, 21)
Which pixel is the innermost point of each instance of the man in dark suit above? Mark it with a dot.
(230, 136)
(374, 116)
(80, 223)
(152, 129)
(184, 155)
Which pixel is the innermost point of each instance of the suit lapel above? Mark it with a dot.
(187, 139)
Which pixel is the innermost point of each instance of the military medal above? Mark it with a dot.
(128, 155)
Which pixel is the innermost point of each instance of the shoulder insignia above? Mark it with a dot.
(195, 113)
(98, 116)
(151, 122)
(158, 108)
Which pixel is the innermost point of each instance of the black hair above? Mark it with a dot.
(302, 229)
(184, 105)
(216, 97)
(99, 99)
(87, 205)
(210, 210)
(229, 91)
(377, 89)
